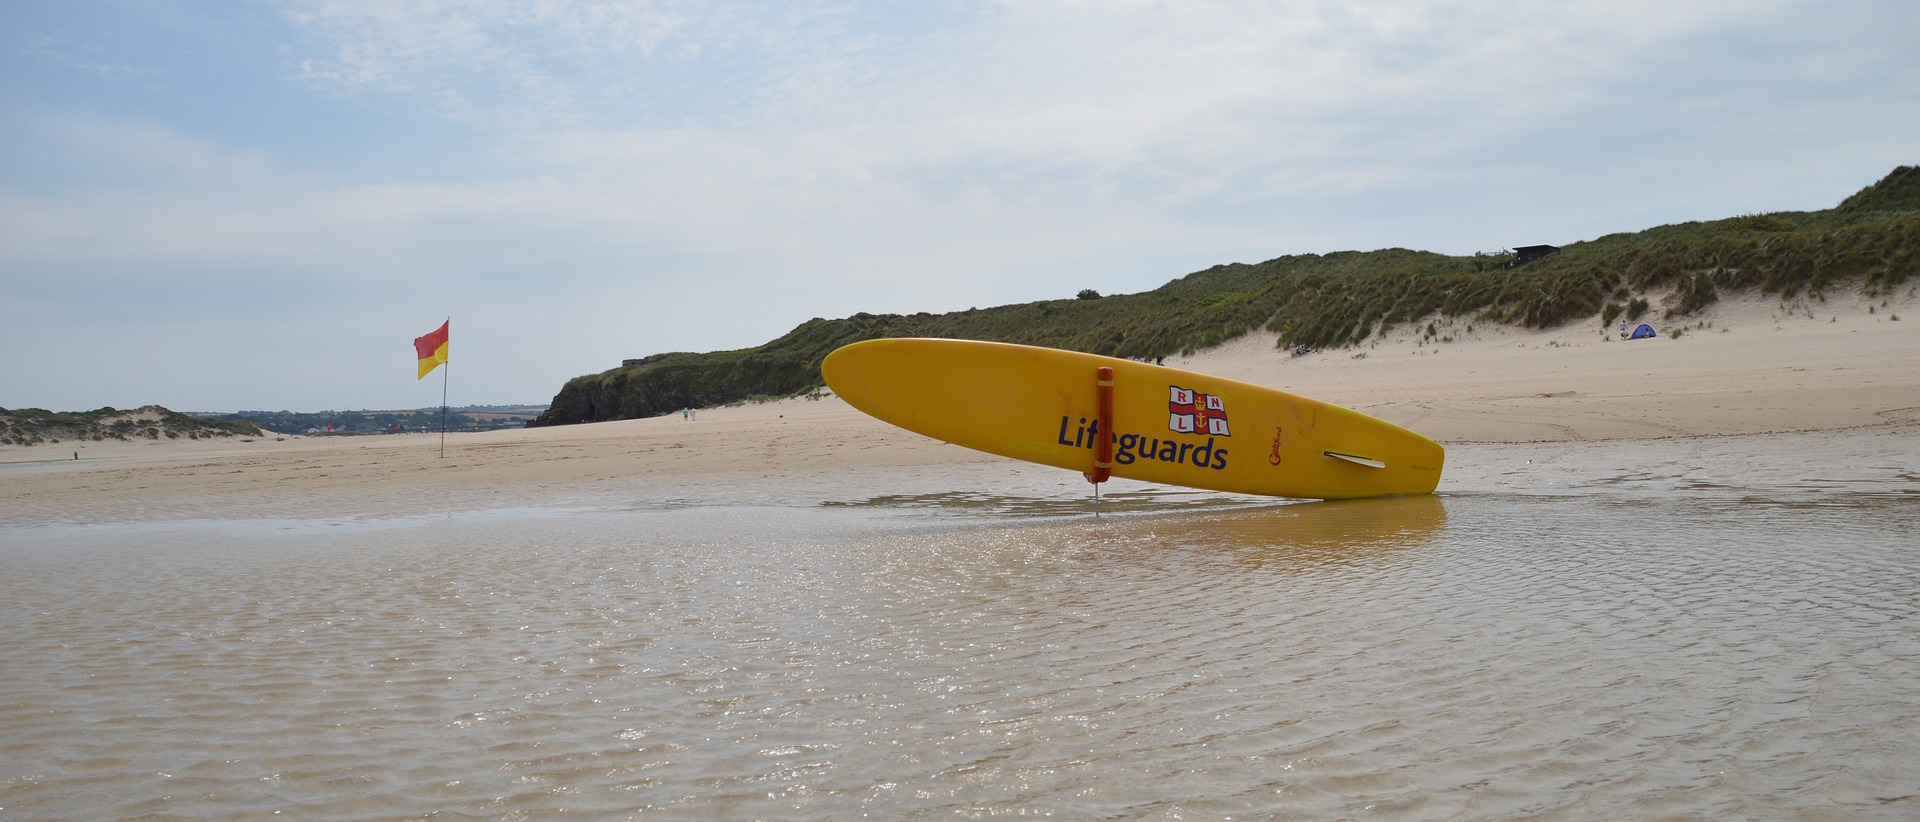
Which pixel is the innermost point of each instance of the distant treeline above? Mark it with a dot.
(33, 426)
(1869, 243)
(466, 418)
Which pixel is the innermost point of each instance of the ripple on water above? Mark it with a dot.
(1601, 657)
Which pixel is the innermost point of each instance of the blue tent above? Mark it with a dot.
(1643, 332)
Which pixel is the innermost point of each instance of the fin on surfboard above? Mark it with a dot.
(1356, 460)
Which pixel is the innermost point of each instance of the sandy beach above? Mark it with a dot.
(1667, 578)
(1809, 385)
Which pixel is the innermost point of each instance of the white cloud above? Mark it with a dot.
(823, 158)
(82, 57)
(1202, 98)
(493, 65)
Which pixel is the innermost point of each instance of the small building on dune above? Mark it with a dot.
(1528, 253)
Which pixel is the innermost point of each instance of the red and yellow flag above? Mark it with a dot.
(432, 349)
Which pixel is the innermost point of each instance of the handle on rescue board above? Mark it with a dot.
(1103, 417)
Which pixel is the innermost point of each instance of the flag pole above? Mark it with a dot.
(446, 370)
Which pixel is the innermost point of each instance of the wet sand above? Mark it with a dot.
(973, 646)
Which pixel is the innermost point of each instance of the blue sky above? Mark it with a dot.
(258, 205)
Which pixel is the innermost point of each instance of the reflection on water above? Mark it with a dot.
(973, 503)
(1606, 657)
(1306, 530)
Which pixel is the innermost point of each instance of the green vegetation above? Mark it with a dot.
(1870, 242)
(1759, 222)
(33, 426)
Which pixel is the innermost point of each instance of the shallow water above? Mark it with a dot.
(971, 654)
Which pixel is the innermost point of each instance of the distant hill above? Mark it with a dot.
(464, 418)
(33, 426)
(1869, 243)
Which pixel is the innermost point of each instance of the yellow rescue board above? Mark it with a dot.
(1169, 426)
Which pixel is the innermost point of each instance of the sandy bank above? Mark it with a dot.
(1813, 378)
(1744, 366)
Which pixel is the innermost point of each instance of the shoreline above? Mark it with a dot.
(1801, 385)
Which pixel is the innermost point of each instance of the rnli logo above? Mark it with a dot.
(1190, 412)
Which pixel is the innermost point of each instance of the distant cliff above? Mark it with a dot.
(1870, 242)
(33, 426)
